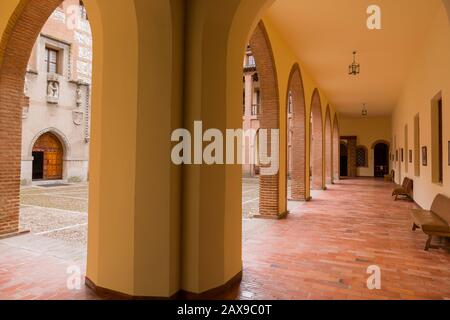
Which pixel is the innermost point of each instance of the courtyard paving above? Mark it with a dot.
(58, 212)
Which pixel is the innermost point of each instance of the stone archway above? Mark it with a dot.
(381, 161)
(336, 149)
(56, 132)
(380, 141)
(328, 148)
(269, 119)
(298, 136)
(316, 147)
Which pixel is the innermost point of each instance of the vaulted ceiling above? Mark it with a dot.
(324, 33)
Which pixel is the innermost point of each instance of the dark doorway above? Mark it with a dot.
(344, 160)
(381, 160)
(38, 165)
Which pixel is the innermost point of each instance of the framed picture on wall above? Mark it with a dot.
(424, 156)
(410, 156)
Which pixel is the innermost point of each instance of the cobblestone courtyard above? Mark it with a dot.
(58, 212)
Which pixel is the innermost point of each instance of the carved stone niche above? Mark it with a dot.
(77, 117)
(52, 88)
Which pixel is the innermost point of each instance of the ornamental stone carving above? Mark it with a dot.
(79, 94)
(52, 89)
(77, 117)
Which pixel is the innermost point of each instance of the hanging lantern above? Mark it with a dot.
(354, 68)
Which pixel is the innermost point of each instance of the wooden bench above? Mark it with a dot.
(434, 222)
(405, 190)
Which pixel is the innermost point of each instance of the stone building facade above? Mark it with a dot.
(56, 104)
(251, 111)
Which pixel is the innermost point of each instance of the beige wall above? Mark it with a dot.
(368, 131)
(429, 76)
(285, 59)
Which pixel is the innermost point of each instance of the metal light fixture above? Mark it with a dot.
(354, 68)
(364, 111)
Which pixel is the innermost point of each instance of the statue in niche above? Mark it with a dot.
(53, 89)
(53, 92)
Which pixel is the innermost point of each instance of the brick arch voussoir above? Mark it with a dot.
(265, 64)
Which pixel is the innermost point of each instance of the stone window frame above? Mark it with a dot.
(65, 53)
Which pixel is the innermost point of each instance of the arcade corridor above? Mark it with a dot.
(321, 251)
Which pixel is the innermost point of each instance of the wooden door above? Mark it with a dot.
(50, 145)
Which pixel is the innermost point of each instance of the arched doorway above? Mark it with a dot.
(48, 155)
(343, 159)
(316, 159)
(296, 130)
(381, 159)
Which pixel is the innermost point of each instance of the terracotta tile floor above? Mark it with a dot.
(322, 251)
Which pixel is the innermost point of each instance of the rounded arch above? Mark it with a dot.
(58, 134)
(269, 118)
(381, 157)
(381, 141)
(316, 148)
(298, 138)
(336, 149)
(328, 147)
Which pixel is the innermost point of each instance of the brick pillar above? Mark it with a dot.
(351, 158)
(336, 150)
(328, 149)
(248, 91)
(269, 119)
(298, 153)
(317, 142)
